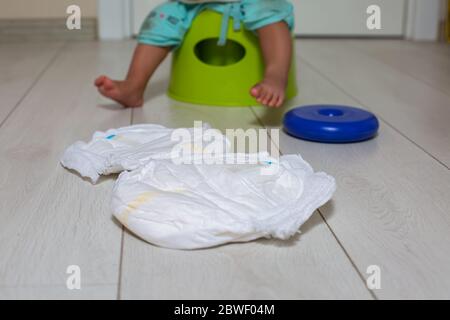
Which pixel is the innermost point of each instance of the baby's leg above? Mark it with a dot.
(276, 45)
(130, 92)
(162, 30)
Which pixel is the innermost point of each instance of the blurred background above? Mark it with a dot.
(120, 19)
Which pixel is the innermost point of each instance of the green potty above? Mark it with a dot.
(205, 73)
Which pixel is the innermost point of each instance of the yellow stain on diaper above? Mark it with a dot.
(139, 201)
(197, 149)
(134, 205)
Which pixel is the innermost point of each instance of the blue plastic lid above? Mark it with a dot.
(331, 123)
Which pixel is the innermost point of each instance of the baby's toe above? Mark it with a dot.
(101, 90)
(109, 84)
(262, 95)
(280, 100)
(99, 81)
(256, 91)
(265, 95)
(269, 97)
(273, 102)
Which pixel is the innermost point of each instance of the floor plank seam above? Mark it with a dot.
(132, 116)
(413, 142)
(119, 281)
(372, 294)
(380, 118)
(368, 55)
(122, 241)
(33, 84)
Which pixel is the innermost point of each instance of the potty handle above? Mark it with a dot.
(232, 10)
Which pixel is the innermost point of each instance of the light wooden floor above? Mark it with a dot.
(391, 208)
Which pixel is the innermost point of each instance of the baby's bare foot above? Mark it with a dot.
(270, 92)
(121, 91)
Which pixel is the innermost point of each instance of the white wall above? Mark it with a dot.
(421, 19)
(348, 17)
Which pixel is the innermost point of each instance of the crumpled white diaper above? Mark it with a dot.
(191, 206)
(131, 147)
(200, 204)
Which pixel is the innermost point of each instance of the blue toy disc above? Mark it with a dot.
(331, 123)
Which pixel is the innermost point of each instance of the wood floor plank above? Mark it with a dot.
(20, 66)
(310, 266)
(102, 292)
(391, 204)
(415, 109)
(420, 60)
(50, 217)
(390, 209)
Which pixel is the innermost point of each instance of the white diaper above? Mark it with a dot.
(199, 205)
(129, 148)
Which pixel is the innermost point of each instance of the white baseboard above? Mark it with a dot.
(45, 29)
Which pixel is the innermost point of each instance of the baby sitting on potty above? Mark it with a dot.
(166, 25)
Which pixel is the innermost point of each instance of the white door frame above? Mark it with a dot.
(420, 17)
(114, 19)
(422, 20)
